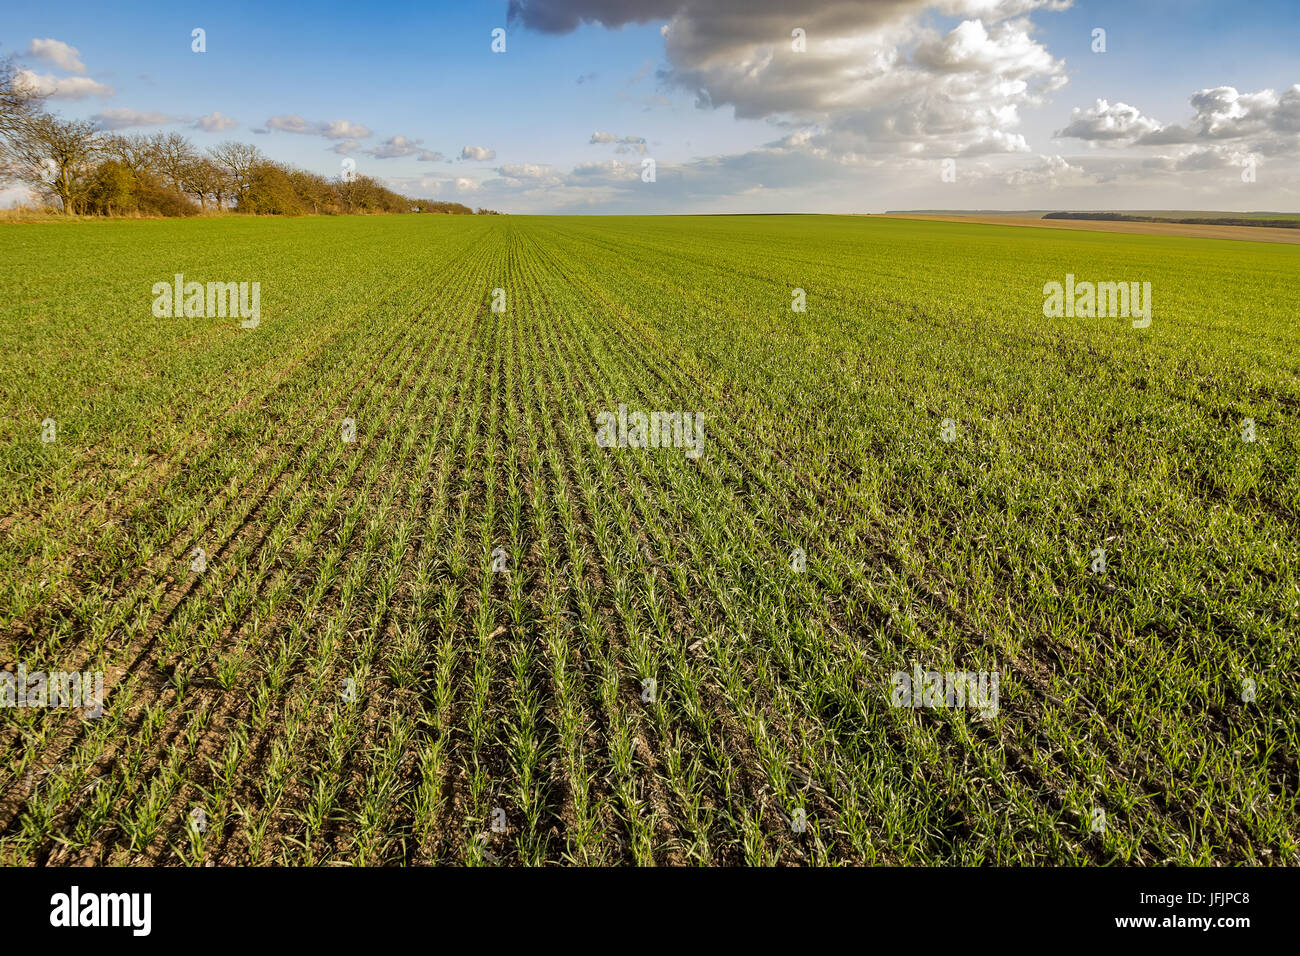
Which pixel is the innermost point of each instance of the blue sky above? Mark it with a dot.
(859, 121)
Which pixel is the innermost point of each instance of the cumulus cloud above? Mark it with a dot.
(215, 123)
(334, 129)
(1223, 113)
(440, 186)
(1227, 130)
(57, 53)
(875, 76)
(564, 16)
(610, 169)
(127, 119)
(626, 144)
(756, 17)
(1206, 159)
(1107, 122)
(890, 86)
(481, 153)
(993, 10)
(1007, 51)
(342, 129)
(1050, 171)
(292, 124)
(400, 146)
(1220, 115)
(62, 87)
(529, 172)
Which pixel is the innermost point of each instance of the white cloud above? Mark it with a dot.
(1007, 52)
(1269, 119)
(399, 146)
(1223, 113)
(482, 153)
(292, 123)
(1051, 171)
(1107, 122)
(883, 90)
(334, 129)
(994, 10)
(342, 129)
(530, 173)
(876, 77)
(62, 87)
(127, 119)
(57, 53)
(1228, 129)
(626, 144)
(215, 123)
(610, 171)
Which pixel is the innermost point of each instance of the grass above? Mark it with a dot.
(437, 644)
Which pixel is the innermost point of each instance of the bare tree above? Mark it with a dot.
(136, 152)
(55, 155)
(173, 156)
(20, 103)
(222, 184)
(239, 161)
(203, 179)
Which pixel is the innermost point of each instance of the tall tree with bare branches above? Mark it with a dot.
(20, 103)
(55, 156)
(240, 162)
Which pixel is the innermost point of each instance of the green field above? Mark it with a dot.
(353, 679)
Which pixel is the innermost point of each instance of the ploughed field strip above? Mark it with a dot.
(385, 579)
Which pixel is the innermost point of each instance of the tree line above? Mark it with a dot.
(88, 171)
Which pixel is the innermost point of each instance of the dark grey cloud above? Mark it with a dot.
(869, 74)
(565, 16)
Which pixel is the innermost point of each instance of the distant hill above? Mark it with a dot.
(1275, 220)
(982, 213)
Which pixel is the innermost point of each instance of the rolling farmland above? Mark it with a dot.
(364, 587)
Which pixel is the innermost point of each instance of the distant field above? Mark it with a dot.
(474, 635)
(1149, 213)
(1187, 219)
(1203, 230)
